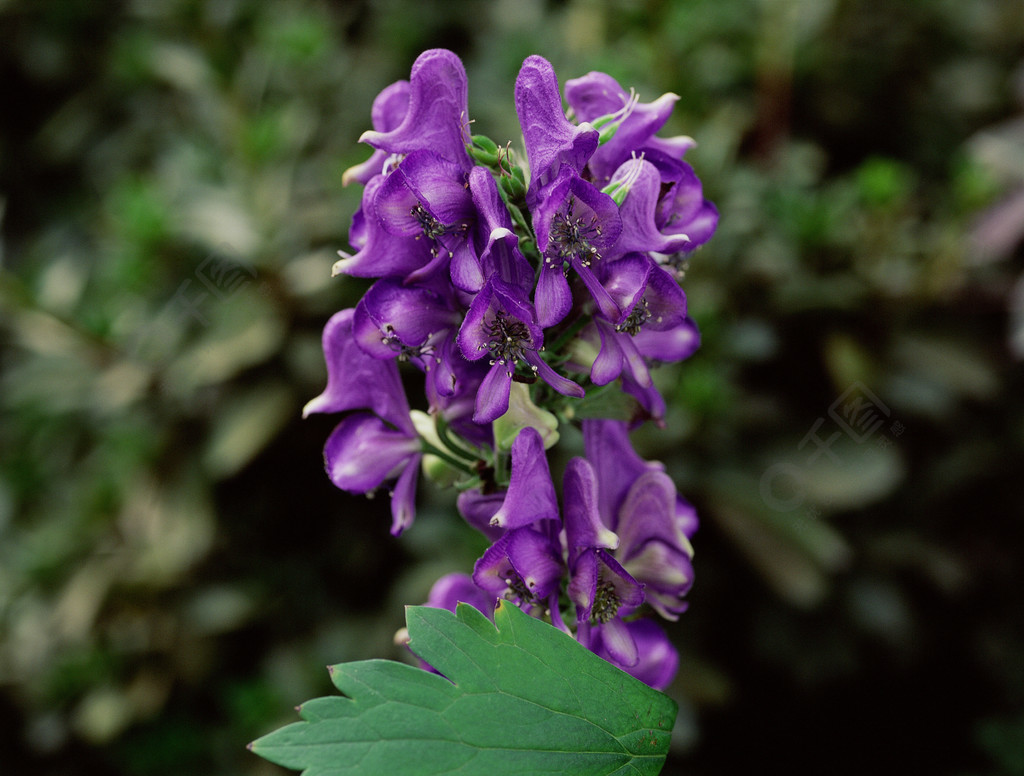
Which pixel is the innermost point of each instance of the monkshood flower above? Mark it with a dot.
(501, 326)
(410, 323)
(601, 589)
(576, 224)
(475, 253)
(426, 198)
(598, 95)
(653, 325)
(640, 211)
(493, 249)
(378, 443)
(606, 445)
(682, 208)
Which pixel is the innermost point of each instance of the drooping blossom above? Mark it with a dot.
(595, 95)
(376, 443)
(502, 327)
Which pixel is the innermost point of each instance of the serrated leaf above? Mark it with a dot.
(515, 697)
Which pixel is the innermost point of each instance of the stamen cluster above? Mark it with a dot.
(522, 284)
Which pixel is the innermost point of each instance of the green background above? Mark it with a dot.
(175, 569)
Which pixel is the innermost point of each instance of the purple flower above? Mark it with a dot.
(381, 253)
(426, 198)
(552, 141)
(653, 547)
(576, 224)
(438, 115)
(682, 208)
(595, 95)
(524, 566)
(531, 493)
(602, 590)
(494, 249)
(370, 447)
(501, 325)
(653, 324)
(639, 502)
(641, 215)
(363, 452)
(410, 323)
(657, 660)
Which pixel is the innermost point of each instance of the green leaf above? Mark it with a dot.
(520, 697)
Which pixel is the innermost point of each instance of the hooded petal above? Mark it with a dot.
(438, 114)
(583, 525)
(551, 139)
(615, 463)
(531, 493)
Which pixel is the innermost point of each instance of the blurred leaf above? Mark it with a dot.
(791, 546)
(950, 364)
(244, 426)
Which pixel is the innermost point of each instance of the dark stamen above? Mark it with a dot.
(640, 314)
(571, 237)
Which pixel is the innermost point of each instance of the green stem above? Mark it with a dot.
(429, 449)
(452, 443)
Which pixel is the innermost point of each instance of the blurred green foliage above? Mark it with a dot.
(174, 568)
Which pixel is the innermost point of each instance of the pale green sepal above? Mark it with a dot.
(522, 412)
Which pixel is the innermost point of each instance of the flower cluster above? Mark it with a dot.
(528, 292)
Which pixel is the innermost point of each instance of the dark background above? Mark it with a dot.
(175, 569)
